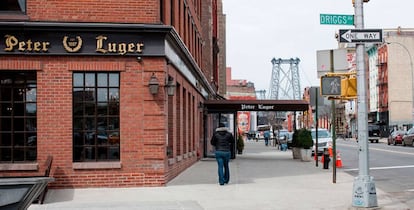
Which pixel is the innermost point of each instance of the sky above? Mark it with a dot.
(258, 31)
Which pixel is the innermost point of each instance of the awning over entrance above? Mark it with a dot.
(255, 105)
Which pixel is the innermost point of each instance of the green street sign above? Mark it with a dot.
(332, 19)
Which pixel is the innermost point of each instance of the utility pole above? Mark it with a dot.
(333, 126)
(364, 192)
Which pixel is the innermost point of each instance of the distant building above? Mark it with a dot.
(241, 90)
(391, 100)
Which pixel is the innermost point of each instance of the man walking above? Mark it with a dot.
(223, 141)
(266, 136)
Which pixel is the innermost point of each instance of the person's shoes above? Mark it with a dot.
(221, 183)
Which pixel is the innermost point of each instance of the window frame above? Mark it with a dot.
(22, 87)
(96, 127)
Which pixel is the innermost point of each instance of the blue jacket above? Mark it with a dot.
(266, 134)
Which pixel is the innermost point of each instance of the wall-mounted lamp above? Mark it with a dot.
(200, 105)
(170, 86)
(153, 84)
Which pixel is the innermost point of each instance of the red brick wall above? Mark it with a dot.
(143, 122)
(142, 11)
(143, 117)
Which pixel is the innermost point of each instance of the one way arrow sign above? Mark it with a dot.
(360, 35)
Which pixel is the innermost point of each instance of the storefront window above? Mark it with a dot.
(95, 117)
(18, 128)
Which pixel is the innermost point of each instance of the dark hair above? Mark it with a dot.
(221, 125)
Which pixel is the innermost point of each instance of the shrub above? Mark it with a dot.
(295, 139)
(305, 138)
(240, 143)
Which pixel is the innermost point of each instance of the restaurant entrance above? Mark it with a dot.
(225, 111)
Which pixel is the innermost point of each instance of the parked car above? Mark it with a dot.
(262, 128)
(289, 139)
(396, 137)
(408, 138)
(324, 140)
(374, 133)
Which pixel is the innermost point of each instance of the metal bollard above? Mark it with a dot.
(326, 159)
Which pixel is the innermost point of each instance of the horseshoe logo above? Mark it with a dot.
(72, 44)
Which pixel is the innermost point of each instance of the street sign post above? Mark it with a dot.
(360, 35)
(364, 193)
(334, 19)
(331, 85)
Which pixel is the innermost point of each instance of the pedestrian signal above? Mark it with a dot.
(331, 86)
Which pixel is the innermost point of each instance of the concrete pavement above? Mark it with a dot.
(262, 178)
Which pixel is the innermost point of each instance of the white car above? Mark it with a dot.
(324, 140)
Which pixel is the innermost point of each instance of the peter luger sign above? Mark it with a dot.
(258, 107)
(59, 43)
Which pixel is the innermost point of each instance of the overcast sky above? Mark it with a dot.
(258, 31)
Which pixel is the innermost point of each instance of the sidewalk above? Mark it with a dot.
(262, 178)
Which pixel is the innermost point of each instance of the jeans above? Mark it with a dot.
(223, 158)
(284, 147)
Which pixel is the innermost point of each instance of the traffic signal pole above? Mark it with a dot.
(364, 192)
(333, 127)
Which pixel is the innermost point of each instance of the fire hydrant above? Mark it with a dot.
(326, 159)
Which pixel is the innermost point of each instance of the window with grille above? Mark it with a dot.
(18, 128)
(96, 134)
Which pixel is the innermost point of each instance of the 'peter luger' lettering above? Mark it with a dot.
(269, 107)
(247, 106)
(71, 44)
(13, 43)
(120, 48)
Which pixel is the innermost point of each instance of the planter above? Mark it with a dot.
(306, 155)
(240, 144)
(296, 153)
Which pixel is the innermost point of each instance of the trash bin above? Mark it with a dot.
(326, 159)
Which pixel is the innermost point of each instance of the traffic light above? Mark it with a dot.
(331, 86)
(341, 86)
(348, 87)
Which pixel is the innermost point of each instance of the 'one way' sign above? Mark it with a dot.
(360, 35)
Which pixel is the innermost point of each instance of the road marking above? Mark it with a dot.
(378, 149)
(385, 150)
(382, 168)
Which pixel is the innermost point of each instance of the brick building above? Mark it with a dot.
(75, 84)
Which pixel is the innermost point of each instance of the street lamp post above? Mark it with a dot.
(412, 74)
(364, 192)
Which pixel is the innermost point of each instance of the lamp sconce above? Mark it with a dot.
(170, 86)
(200, 106)
(153, 84)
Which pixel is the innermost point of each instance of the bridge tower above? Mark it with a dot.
(261, 94)
(285, 83)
